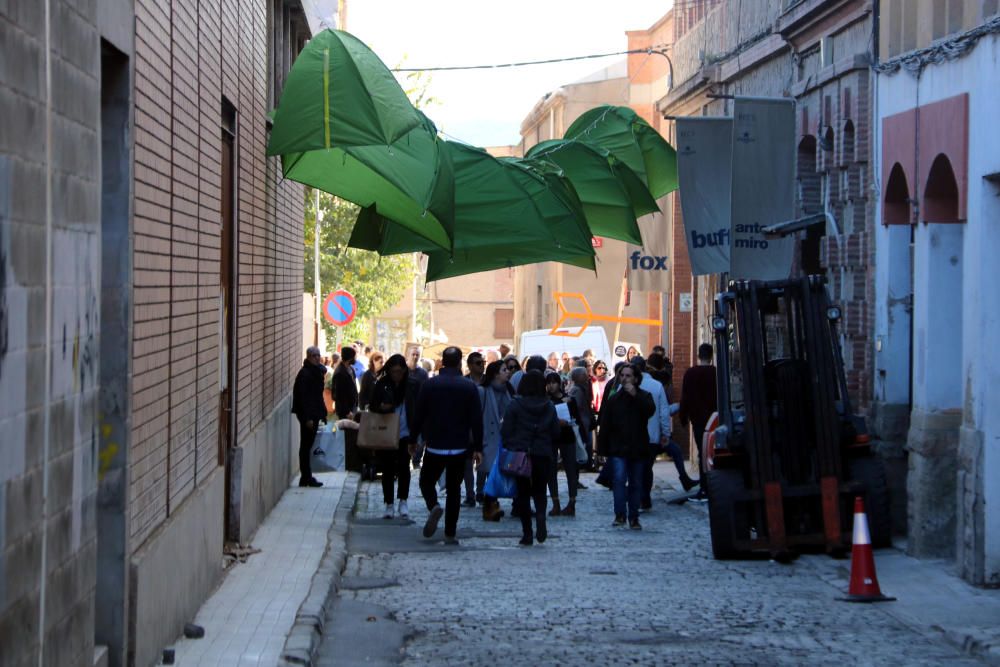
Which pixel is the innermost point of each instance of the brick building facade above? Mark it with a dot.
(150, 313)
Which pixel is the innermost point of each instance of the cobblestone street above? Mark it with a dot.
(600, 595)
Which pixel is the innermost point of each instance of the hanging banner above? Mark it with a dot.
(763, 186)
(646, 265)
(704, 170)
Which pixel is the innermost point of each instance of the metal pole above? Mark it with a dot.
(316, 292)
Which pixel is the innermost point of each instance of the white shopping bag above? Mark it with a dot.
(328, 450)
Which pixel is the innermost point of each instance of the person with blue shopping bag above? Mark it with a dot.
(494, 395)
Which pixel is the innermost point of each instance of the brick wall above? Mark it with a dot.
(189, 54)
(49, 319)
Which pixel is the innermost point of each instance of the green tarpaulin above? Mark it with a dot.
(345, 126)
(611, 193)
(621, 132)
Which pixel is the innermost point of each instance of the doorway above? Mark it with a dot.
(227, 305)
(111, 602)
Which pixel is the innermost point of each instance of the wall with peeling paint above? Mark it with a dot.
(954, 436)
(49, 330)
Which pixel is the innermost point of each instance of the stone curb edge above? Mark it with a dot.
(303, 639)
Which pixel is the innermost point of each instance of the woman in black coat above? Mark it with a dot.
(395, 391)
(564, 446)
(624, 439)
(530, 425)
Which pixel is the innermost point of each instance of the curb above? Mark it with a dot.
(304, 637)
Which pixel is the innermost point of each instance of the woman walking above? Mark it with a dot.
(530, 425)
(597, 383)
(625, 440)
(494, 396)
(369, 378)
(564, 446)
(395, 391)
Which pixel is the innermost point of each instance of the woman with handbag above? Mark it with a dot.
(564, 445)
(494, 395)
(368, 379)
(395, 391)
(529, 428)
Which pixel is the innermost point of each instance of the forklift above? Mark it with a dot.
(785, 455)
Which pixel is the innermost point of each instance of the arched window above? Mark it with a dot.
(941, 192)
(809, 199)
(896, 207)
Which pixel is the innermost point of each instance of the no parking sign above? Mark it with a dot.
(340, 308)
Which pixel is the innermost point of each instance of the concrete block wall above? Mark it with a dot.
(49, 323)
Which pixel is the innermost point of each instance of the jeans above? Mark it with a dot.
(307, 436)
(674, 450)
(533, 488)
(395, 465)
(647, 474)
(453, 466)
(627, 485)
(567, 450)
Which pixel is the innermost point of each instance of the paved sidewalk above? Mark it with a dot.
(248, 617)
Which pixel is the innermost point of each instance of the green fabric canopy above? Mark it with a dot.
(621, 132)
(611, 193)
(345, 126)
(506, 214)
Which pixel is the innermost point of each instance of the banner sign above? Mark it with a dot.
(704, 170)
(646, 265)
(763, 186)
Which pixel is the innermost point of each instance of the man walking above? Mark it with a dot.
(698, 400)
(310, 409)
(658, 427)
(449, 417)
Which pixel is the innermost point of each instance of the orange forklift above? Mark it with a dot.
(785, 454)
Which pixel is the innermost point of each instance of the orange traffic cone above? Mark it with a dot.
(864, 583)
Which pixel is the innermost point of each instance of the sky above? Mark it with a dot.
(486, 107)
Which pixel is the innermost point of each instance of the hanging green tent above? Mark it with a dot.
(346, 127)
(506, 214)
(610, 192)
(621, 132)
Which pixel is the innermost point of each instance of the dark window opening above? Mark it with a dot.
(896, 207)
(941, 192)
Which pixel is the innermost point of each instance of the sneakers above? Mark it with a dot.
(404, 510)
(689, 483)
(634, 524)
(700, 497)
(580, 487)
(432, 521)
(312, 481)
(619, 520)
(388, 513)
(451, 540)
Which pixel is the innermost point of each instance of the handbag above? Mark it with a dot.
(499, 485)
(379, 431)
(517, 464)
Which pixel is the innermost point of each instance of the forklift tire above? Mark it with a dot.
(870, 471)
(722, 488)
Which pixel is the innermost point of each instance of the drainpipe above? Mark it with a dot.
(47, 400)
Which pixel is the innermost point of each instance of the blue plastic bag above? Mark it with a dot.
(499, 485)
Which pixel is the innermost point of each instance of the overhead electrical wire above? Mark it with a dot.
(659, 48)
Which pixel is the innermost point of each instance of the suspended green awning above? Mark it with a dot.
(345, 126)
(611, 193)
(506, 214)
(621, 132)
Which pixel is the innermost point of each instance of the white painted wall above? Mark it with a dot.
(979, 366)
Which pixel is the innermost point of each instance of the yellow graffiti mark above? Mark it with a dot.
(106, 456)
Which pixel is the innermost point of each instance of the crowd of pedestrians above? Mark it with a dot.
(504, 428)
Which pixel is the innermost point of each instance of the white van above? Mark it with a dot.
(542, 342)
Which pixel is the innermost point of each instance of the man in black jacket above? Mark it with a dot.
(449, 417)
(309, 408)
